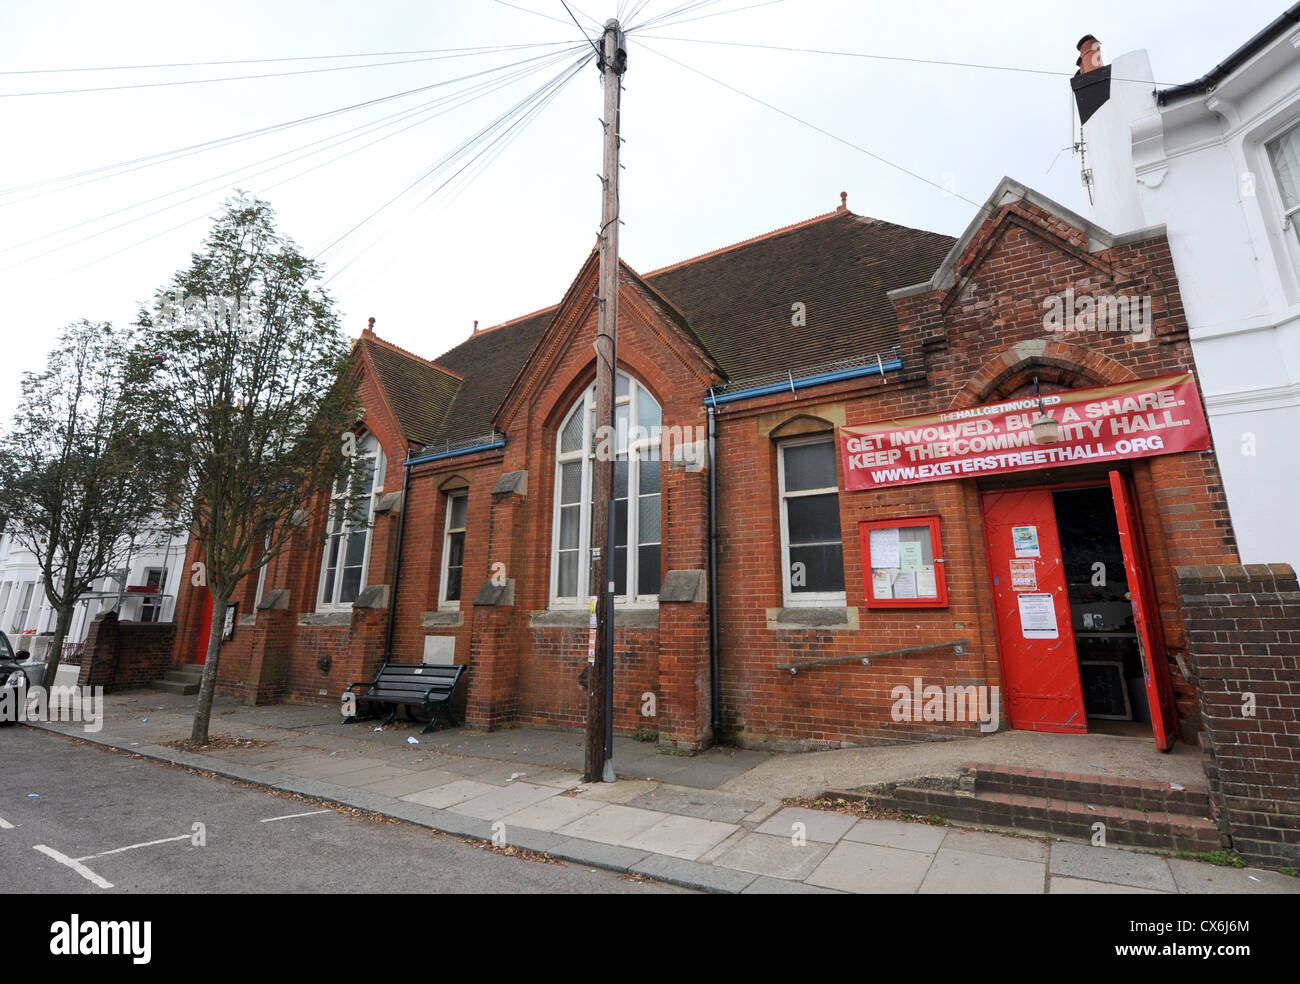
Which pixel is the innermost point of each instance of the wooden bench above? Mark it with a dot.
(429, 688)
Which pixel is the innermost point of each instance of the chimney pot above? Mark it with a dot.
(1089, 54)
(844, 202)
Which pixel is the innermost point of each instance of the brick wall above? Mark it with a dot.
(1243, 627)
(125, 655)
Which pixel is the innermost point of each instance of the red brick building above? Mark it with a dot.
(1013, 572)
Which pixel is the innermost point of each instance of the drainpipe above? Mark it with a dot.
(713, 580)
(397, 566)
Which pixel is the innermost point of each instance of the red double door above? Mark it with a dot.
(1040, 665)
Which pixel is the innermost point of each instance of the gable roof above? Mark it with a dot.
(737, 302)
(418, 392)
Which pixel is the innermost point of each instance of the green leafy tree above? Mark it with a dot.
(251, 383)
(81, 472)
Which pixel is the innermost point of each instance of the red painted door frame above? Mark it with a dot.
(1146, 614)
(205, 629)
(1040, 672)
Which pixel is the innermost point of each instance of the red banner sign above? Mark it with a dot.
(1140, 419)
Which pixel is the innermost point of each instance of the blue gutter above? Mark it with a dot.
(807, 381)
(493, 446)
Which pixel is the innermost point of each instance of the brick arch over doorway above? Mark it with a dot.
(1069, 366)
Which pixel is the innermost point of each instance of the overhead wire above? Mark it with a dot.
(99, 173)
(231, 78)
(457, 99)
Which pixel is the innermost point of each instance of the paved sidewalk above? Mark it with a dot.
(708, 821)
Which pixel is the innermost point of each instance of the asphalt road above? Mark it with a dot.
(103, 818)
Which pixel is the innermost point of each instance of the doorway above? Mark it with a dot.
(1072, 593)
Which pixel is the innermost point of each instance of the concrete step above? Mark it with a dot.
(1125, 827)
(1098, 790)
(175, 687)
(183, 676)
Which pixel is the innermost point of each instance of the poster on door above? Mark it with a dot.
(1037, 616)
(1139, 419)
(1024, 575)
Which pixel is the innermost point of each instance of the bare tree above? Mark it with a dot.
(79, 470)
(251, 385)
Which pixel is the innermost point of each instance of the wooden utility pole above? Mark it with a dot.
(600, 691)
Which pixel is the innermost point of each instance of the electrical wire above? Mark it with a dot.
(813, 126)
(454, 155)
(259, 61)
(126, 167)
(457, 99)
(230, 78)
(719, 13)
(495, 84)
(888, 58)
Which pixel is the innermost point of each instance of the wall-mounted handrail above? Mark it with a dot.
(958, 648)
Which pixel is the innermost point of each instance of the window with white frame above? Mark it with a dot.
(24, 607)
(347, 545)
(1284, 155)
(811, 548)
(151, 605)
(453, 550)
(637, 496)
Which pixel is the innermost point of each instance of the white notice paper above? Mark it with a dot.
(882, 584)
(925, 582)
(1037, 616)
(884, 548)
(905, 584)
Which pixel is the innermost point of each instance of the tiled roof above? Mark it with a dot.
(419, 392)
(738, 302)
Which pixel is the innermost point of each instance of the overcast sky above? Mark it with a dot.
(704, 166)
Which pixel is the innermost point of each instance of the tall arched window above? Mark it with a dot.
(347, 546)
(637, 497)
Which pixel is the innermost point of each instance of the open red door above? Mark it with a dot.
(1146, 617)
(1040, 669)
(205, 629)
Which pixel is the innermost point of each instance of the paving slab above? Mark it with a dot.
(551, 814)
(1061, 885)
(327, 767)
(622, 791)
(774, 856)
(818, 825)
(895, 833)
(702, 803)
(868, 869)
(449, 794)
(1203, 878)
(763, 885)
(368, 775)
(411, 782)
(504, 800)
(706, 877)
(611, 824)
(997, 845)
(1106, 864)
(682, 837)
(539, 775)
(963, 873)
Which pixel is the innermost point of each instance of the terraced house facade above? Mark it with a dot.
(853, 408)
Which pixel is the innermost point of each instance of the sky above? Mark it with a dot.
(489, 238)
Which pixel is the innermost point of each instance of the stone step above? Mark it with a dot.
(183, 676)
(1062, 817)
(1096, 790)
(175, 687)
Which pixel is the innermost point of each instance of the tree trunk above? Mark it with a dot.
(56, 646)
(203, 713)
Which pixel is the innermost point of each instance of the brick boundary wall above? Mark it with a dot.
(1243, 630)
(125, 655)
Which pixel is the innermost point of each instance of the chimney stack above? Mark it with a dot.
(1091, 83)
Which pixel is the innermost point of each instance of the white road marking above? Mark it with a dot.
(132, 847)
(5, 824)
(292, 815)
(76, 866)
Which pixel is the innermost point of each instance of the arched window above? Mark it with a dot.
(347, 547)
(637, 498)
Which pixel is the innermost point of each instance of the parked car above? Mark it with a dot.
(17, 673)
